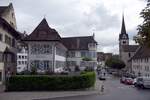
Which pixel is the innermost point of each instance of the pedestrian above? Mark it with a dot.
(102, 88)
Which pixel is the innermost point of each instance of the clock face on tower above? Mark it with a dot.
(124, 36)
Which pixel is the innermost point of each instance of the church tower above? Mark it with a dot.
(123, 37)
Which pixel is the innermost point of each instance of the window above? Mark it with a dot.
(1, 56)
(13, 43)
(129, 55)
(19, 62)
(146, 60)
(41, 65)
(147, 68)
(91, 45)
(90, 54)
(83, 54)
(19, 57)
(60, 64)
(71, 54)
(71, 63)
(60, 52)
(22, 57)
(0, 76)
(46, 65)
(25, 57)
(7, 40)
(23, 62)
(124, 42)
(1, 37)
(41, 49)
(12, 15)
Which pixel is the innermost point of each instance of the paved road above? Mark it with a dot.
(114, 91)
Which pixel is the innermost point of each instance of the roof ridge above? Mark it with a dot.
(77, 36)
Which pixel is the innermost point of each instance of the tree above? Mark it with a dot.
(115, 63)
(87, 59)
(33, 70)
(143, 35)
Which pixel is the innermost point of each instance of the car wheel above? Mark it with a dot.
(135, 84)
(142, 86)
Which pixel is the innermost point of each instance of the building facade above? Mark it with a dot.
(8, 41)
(22, 56)
(80, 49)
(141, 62)
(47, 51)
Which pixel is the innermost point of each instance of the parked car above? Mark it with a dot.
(122, 79)
(102, 76)
(129, 81)
(134, 81)
(143, 82)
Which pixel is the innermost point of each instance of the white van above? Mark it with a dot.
(143, 82)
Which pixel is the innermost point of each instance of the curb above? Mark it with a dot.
(57, 97)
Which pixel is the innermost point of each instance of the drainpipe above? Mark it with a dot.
(54, 52)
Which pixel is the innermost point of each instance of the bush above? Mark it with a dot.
(50, 83)
(89, 69)
(86, 59)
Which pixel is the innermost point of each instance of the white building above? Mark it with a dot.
(8, 42)
(47, 51)
(141, 62)
(22, 60)
(80, 48)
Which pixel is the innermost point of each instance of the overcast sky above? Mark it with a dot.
(81, 18)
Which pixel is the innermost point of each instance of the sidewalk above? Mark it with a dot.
(51, 94)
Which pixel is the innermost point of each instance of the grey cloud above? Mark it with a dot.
(69, 19)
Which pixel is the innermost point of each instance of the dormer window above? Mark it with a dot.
(124, 36)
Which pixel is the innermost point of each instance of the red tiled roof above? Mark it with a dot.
(130, 48)
(43, 33)
(78, 43)
(142, 52)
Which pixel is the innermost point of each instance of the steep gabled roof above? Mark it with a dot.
(142, 52)
(4, 8)
(130, 48)
(123, 30)
(13, 31)
(78, 43)
(43, 33)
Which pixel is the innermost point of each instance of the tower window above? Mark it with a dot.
(1, 37)
(124, 42)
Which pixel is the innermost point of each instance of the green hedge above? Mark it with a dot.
(50, 83)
